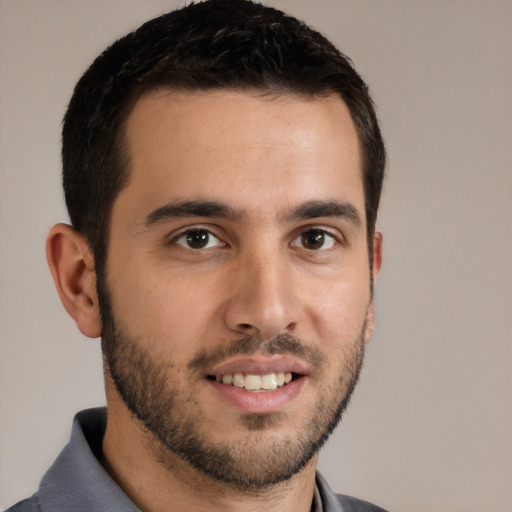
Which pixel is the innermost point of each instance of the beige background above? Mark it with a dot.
(430, 425)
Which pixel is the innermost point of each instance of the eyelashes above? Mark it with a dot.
(202, 239)
(315, 239)
(198, 239)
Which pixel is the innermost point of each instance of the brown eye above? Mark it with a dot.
(197, 239)
(314, 240)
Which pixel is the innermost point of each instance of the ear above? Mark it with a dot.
(377, 254)
(376, 266)
(72, 266)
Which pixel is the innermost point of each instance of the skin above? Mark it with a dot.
(265, 159)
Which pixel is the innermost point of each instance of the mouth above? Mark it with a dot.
(258, 374)
(255, 382)
(258, 385)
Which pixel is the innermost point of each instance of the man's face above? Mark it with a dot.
(238, 260)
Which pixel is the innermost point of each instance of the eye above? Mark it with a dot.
(314, 240)
(198, 239)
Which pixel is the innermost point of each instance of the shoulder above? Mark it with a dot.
(29, 505)
(350, 504)
(332, 502)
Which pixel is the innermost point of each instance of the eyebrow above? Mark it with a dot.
(219, 209)
(194, 208)
(330, 208)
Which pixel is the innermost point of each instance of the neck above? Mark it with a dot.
(157, 481)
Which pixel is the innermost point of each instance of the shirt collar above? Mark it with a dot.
(78, 482)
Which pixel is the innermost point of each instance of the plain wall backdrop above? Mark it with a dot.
(429, 427)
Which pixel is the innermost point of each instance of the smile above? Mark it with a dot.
(253, 382)
(258, 385)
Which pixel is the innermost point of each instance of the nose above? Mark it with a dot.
(263, 297)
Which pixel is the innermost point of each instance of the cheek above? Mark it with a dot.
(338, 308)
(164, 310)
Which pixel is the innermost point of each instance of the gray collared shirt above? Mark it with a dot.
(77, 482)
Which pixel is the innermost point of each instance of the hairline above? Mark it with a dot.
(267, 92)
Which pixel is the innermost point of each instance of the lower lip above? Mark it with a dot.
(262, 402)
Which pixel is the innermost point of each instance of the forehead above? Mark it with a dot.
(232, 145)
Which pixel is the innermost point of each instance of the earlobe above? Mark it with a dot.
(376, 266)
(72, 267)
(377, 254)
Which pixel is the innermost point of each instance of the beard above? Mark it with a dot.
(261, 458)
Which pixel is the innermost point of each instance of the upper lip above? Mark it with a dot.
(260, 365)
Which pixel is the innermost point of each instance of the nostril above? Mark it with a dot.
(291, 327)
(245, 326)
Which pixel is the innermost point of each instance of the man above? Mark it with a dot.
(222, 168)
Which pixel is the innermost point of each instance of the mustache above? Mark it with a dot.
(283, 344)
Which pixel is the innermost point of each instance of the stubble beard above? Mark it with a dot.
(261, 460)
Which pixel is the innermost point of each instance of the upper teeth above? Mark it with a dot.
(253, 382)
